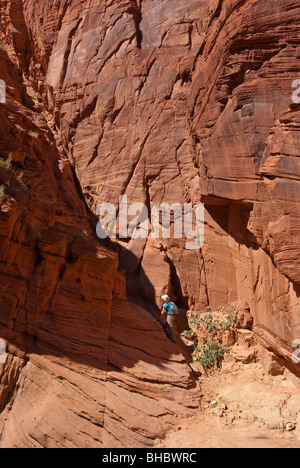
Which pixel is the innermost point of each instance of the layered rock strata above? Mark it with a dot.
(162, 101)
(85, 367)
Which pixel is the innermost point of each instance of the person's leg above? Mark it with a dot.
(170, 322)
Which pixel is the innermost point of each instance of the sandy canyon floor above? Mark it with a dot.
(242, 407)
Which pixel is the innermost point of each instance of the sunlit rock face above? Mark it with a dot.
(163, 102)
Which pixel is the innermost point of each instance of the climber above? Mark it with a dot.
(171, 310)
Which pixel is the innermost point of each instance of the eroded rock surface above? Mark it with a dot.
(162, 101)
(85, 367)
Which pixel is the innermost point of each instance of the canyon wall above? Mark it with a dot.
(162, 101)
(85, 366)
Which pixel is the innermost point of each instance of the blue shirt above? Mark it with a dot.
(168, 308)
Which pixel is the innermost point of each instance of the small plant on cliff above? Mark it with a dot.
(6, 164)
(79, 234)
(33, 134)
(2, 192)
(11, 182)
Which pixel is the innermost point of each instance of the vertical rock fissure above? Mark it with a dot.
(139, 33)
(137, 16)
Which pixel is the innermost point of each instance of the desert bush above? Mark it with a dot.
(206, 330)
(209, 354)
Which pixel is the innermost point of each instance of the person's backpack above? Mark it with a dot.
(174, 308)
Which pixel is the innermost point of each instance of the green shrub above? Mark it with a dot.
(189, 334)
(221, 319)
(206, 332)
(209, 354)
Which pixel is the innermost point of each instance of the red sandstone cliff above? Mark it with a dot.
(162, 101)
